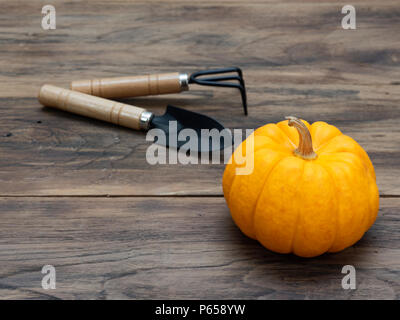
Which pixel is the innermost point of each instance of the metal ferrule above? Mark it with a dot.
(145, 119)
(184, 81)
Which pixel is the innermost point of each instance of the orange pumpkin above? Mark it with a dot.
(312, 190)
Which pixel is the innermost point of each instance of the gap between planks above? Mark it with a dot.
(136, 196)
(113, 196)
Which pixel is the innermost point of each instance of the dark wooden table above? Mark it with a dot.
(78, 194)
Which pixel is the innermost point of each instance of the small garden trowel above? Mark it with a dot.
(140, 119)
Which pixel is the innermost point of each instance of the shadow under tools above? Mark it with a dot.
(158, 104)
(141, 134)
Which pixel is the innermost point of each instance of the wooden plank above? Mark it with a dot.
(296, 58)
(305, 41)
(70, 155)
(176, 248)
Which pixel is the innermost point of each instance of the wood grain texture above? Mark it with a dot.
(58, 169)
(297, 60)
(176, 248)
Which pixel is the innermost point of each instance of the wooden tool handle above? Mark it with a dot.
(90, 106)
(133, 86)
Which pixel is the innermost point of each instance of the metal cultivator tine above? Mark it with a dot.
(201, 78)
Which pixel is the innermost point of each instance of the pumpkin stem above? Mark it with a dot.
(305, 148)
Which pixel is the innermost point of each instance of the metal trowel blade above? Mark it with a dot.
(175, 120)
